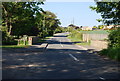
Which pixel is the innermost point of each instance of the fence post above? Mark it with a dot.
(18, 41)
(29, 40)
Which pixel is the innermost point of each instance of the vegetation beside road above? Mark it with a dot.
(76, 37)
(14, 46)
(113, 50)
(110, 16)
(113, 53)
(43, 39)
(27, 19)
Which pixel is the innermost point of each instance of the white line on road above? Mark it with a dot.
(102, 78)
(61, 43)
(74, 57)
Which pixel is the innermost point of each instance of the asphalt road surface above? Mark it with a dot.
(60, 60)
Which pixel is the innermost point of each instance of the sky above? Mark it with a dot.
(77, 13)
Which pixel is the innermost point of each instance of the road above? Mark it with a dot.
(60, 60)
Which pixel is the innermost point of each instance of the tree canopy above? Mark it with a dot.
(110, 12)
(27, 18)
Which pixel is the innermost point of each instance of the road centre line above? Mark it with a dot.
(74, 57)
(102, 78)
(61, 44)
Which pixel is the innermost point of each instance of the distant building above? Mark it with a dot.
(110, 26)
(86, 28)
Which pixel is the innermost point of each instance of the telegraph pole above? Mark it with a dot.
(73, 20)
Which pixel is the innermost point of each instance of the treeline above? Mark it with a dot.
(27, 18)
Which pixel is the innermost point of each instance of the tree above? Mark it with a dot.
(100, 26)
(94, 26)
(19, 16)
(50, 23)
(109, 11)
(27, 18)
(71, 25)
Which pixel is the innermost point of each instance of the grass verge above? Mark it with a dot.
(23, 46)
(78, 41)
(113, 53)
(14, 46)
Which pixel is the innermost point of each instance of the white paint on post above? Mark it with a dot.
(74, 57)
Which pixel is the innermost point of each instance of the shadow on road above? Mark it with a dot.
(57, 64)
(60, 36)
(58, 42)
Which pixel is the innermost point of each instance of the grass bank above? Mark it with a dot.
(113, 53)
(76, 37)
(14, 46)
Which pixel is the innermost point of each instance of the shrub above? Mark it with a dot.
(8, 40)
(58, 30)
(114, 38)
(113, 50)
(113, 53)
(75, 34)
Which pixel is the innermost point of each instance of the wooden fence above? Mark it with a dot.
(97, 40)
(88, 37)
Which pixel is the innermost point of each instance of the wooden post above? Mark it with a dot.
(29, 40)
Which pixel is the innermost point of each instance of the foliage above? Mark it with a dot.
(71, 25)
(76, 35)
(113, 53)
(100, 26)
(58, 30)
(113, 50)
(19, 16)
(7, 39)
(109, 11)
(110, 15)
(49, 24)
(114, 38)
(14, 46)
(94, 26)
(26, 18)
(79, 29)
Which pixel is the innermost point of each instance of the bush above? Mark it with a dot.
(22, 42)
(76, 35)
(113, 50)
(8, 40)
(113, 53)
(58, 30)
(114, 38)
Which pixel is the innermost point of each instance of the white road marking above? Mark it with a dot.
(78, 45)
(61, 44)
(101, 78)
(82, 47)
(74, 57)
